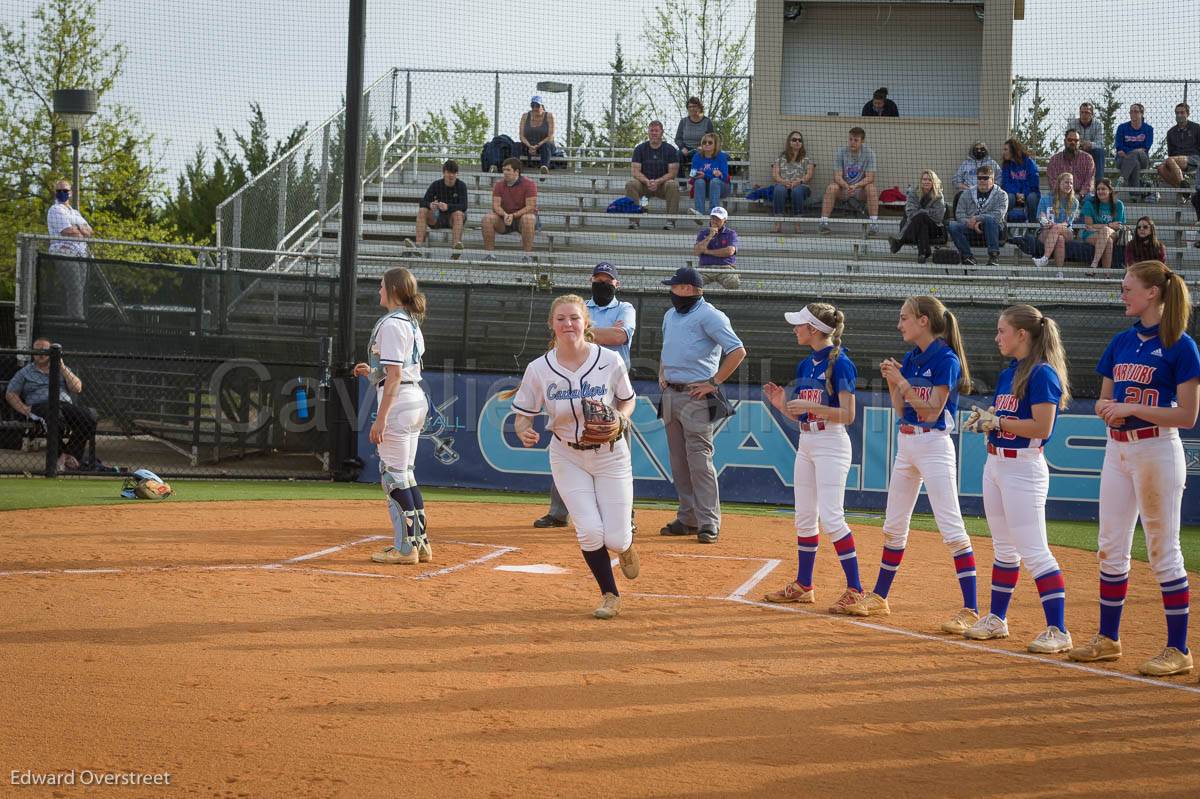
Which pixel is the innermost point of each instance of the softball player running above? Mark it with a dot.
(823, 404)
(394, 368)
(589, 460)
(1029, 394)
(924, 390)
(1151, 373)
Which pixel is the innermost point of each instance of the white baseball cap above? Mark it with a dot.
(805, 317)
(719, 212)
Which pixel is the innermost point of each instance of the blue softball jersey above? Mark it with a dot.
(1043, 386)
(938, 365)
(812, 374)
(1146, 372)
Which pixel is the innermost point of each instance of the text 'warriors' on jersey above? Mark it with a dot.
(812, 379)
(938, 365)
(1043, 386)
(1146, 372)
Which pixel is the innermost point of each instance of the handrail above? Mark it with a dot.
(287, 236)
(413, 151)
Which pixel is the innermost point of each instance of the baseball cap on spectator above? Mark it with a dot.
(536, 100)
(605, 268)
(719, 213)
(685, 276)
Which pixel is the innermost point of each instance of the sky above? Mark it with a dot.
(194, 67)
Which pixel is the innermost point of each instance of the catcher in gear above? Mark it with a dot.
(585, 391)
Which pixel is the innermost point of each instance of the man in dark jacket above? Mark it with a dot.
(444, 205)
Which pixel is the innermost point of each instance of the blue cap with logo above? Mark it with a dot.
(685, 276)
(605, 268)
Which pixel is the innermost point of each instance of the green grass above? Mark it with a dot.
(20, 492)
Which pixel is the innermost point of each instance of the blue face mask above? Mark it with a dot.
(62, 195)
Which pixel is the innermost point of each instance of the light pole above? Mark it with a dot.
(554, 87)
(75, 106)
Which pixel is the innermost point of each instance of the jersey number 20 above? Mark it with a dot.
(1141, 396)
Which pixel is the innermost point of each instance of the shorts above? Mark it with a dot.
(515, 227)
(441, 220)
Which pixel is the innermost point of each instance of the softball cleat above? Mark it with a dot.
(393, 556)
(989, 627)
(848, 598)
(1100, 647)
(631, 565)
(960, 622)
(609, 608)
(870, 604)
(1171, 661)
(792, 592)
(1051, 641)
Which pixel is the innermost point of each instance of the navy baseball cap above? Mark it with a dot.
(685, 276)
(605, 268)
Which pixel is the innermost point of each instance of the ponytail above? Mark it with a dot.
(942, 323)
(954, 338)
(833, 317)
(1174, 294)
(1045, 345)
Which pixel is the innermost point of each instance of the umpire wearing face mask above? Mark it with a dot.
(699, 352)
(613, 325)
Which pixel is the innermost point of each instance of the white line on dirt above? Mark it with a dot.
(755, 579)
(497, 552)
(320, 553)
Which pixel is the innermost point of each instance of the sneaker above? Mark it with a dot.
(676, 527)
(1059, 275)
(633, 224)
(410, 249)
(393, 556)
(456, 251)
(969, 260)
(1153, 198)
(1040, 263)
(669, 224)
(424, 551)
(993, 259)
(631, 565)
(960, 622)
(872, 230)
(922, 259)
(792, 592)
(708, 535)
(849, 597)
(824, 229)
(545, 171)
(525, 259)
(489, 257)
(894, 244)
(1100, 647)
(493, 169)
(1171, 661)
(869, 604)
(989, 627)
(1050, 641)
(609, 608)
(549, 521)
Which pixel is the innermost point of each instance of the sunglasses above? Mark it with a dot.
(797, 140)
(1143, 227)
(983, 177)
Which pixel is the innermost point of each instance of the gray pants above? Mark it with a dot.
(690, 440)
(1131, 166)
(74, 274)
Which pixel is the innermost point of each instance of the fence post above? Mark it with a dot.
(237, 231)
(407, 97)
(392, 116)
(612, 118)
(281, 206)
(1185, 91)
(496, 109)
(323, 190)
(53, 420)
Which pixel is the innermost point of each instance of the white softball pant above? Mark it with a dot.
(924, 458)
(398, 450)
(1014, 500)
(1143, 478)
(597, 487)
(819, 480)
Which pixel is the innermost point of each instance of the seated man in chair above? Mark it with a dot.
(29, 394)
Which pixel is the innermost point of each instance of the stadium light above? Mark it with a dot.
(75, 106)
(556, 87)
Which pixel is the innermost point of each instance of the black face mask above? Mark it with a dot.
(979, 154)
(684, 304)
(603, 292)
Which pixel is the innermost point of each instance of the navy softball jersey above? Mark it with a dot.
(812, 374)
(1146, 372)
(1043, 386)
(938, 365)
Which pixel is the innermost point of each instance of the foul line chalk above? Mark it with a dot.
(755, 579)
(320, 553)
(495, 553)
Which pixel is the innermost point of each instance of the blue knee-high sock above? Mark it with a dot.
(806, 556)
(1113, 588)
(403, 499)
(888, 565)
(1175, 603)
(964, 565)
(1004, 580)
(1053, 592)
(600, 564)
(848, 557)
(418, 500)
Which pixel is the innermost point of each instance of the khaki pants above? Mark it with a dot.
(668, 190)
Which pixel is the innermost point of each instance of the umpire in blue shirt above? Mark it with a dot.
(613, 324)
(699, 352)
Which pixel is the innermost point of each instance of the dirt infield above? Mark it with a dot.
(252, 650)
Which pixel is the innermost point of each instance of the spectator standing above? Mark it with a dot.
(924, 215)
(710, 171)
(655, 166)
(717, 247)
(537, 134)
(514, 208)
(63, 220)
(1070, 159)
(1144, 244)
(853, 178)
(444, 205)
(691, 130)
(980, 210)
(28, 393)
(700, 351)
(1183, 149)
(1057, 213)
(968, 170)
(792, 172)
(1020, 180)
(880, 106)
(1104, 216)
(1091, 136)
(1133, 142)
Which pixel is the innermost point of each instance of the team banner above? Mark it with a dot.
(468, 442)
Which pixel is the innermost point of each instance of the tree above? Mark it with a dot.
(470, 123)
(1032, 132)
(1106, 112)
(685, 38)
(627, 128)
(58, 45)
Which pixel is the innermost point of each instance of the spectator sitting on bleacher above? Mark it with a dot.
(28, 393)
(980, 210)
(710, 173)
(1104, 216)
(1057, 213)
(691, 130)
(655, 166)
(537, 134)
(924, 215)
(1091, 136)
(1019, 179)
(1133, 142)
(968, 170)
(853, 178)
(514, 207)
(1183, 149)
(444, 205)
(1070, 160)
(880, 106)
(1144, 244)
(717, 247)
(792, 171)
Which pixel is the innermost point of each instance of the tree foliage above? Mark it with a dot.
(1032, 130)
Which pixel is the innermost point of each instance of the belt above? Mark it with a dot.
(811, 427)
(679, 386)
(913, 430)
(1009, 453)
(1134, 435)
(402, 382)
(580, 447)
